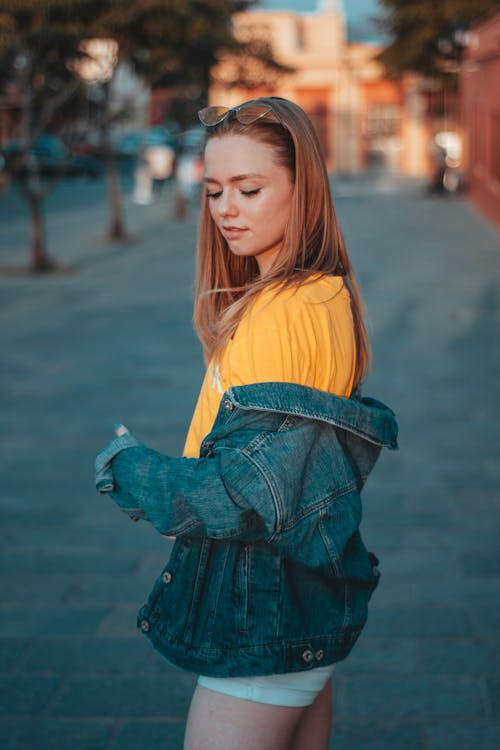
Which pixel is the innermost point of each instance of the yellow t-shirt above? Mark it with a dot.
(301, 335)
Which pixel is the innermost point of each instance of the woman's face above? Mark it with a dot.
(249, 196)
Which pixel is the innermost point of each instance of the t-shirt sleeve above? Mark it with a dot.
(295, 337)
(276, 342)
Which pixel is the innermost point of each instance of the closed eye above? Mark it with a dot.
(214, 194)
(250, 192)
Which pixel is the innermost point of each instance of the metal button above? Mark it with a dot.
(166, 577)
(319, 654)
(307, 655)
(229, 405)
(145, 626)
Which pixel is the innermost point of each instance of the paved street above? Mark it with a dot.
(110, 340)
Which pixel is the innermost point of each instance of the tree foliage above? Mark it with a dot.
(38, 41)
(167, 42)
(175, 42)
(428, 37)
(39, 44)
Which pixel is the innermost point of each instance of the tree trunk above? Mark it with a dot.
(40, 261)
(117, 231)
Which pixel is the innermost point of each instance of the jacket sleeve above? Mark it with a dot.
(188, 496)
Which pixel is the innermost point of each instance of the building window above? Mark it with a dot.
(300, 36)
(383, 121)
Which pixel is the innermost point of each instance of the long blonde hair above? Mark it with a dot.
(226, 284)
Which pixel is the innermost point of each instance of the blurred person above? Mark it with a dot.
(446, 154)
(155, 167)
(268, 583)
(160, 159)
(143, 180)
(188, 177)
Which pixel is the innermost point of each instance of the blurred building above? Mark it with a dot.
(480, 97)
(361, 117)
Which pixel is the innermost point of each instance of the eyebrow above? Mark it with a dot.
(237, 178)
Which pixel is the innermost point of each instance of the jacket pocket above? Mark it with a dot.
(242, 586)
(331, 548)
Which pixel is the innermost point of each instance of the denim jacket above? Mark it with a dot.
(268, 573)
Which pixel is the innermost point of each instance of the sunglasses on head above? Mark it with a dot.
(246, 114)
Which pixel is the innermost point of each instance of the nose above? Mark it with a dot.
(226, 204)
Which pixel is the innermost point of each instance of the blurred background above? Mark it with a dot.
(100, 180)
(109, 87)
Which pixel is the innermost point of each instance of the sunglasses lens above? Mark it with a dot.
(210, 116)
(245, 114)
(251, 112)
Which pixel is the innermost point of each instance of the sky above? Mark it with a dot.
(358, 13)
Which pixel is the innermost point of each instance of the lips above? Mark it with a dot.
(233, 232)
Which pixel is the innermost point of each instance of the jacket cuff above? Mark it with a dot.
(104, 480)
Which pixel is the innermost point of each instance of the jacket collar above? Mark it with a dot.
(366, 417)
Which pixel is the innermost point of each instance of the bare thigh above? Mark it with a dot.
(314, 728)
(221, 722)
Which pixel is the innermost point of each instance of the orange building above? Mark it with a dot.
(360, 116)
(480, 94)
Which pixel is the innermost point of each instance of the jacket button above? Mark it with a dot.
(145, 626)
(308, 656)
(229, 405)
(319, 654)
(166, 577)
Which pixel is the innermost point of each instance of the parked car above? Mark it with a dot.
(130, 144)
(193, 140)
(53, 158)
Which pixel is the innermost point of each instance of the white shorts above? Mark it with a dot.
(289, 689)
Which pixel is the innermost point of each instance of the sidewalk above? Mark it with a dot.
(113, 341)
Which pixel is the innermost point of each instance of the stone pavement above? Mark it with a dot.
(112, 341)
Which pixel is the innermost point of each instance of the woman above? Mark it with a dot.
(269, 580)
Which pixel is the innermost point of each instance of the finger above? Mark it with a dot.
(120, 429)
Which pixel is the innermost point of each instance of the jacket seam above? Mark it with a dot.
(203, 558)
(318, 505)
(333, 554)
(274, 494)
(337, 422)
(278, 643)
(213, 613)
(181, 530)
